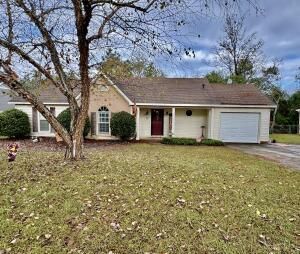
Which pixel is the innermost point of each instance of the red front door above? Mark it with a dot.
(157, 122)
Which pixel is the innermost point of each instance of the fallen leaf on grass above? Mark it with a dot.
(181, 201)
(13, 241)
(47, 236)
(257, 212)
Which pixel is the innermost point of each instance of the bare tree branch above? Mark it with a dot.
(48, 42)
(107, 18)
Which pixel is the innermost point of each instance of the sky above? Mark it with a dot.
(278, 27)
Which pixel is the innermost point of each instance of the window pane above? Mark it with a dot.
(103, 126)
(44, 125)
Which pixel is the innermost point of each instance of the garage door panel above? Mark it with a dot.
(239, 127)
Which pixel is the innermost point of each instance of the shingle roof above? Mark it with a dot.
(47, 94)
(191, 91)
(173, 91)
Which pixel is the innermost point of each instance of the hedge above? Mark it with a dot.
(14, 123)
(179, 141)
(212, 142)
(191, 142)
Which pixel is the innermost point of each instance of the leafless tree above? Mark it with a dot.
(238, 52)
(56, 37)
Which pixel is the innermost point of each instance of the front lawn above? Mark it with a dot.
(286, 138)
(144, 198)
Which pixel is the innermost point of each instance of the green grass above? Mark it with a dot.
(166, 199)
(286, 138)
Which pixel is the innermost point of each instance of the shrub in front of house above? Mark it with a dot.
(64, 119)
(191, 142)
(179, 141)
(122, 125)
(14, 123)
(212, 142)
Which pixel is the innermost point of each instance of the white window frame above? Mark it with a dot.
(98, 123)
(41, 117)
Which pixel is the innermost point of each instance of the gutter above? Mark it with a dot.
(207, 105)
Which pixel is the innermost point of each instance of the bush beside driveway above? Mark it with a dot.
(148, 198)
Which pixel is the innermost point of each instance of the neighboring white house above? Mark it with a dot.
(163, 107)
(53, 99)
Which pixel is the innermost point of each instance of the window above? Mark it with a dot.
(44, 125)
(103, 120)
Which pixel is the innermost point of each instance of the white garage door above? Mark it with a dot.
(239, 127)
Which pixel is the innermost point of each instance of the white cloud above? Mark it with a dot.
(199, 56)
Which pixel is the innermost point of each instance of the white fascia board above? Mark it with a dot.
(205, 105)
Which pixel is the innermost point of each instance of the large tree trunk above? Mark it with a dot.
(79, 116)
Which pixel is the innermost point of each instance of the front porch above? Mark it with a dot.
(157, 122)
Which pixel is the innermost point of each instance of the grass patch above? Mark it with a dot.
(148, 198)
(286, 138)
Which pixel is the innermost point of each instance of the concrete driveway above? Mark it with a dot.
(287, 155)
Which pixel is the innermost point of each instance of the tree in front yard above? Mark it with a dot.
(14, 123)
(64, 119)
(54, 38)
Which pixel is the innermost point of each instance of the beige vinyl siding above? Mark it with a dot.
(264, 121)
(190, 126)
(166, 122)
(28, 110)
(145, 123)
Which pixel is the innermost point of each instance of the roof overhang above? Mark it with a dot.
(205, 105)
(46, 103)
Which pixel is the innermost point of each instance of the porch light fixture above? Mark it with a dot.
(147, 113)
